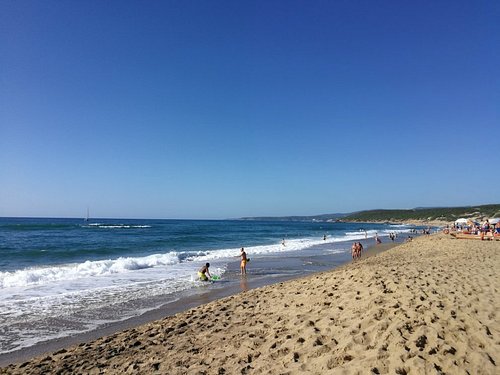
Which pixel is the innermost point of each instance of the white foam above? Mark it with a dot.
(397, 231)
(68, 272)
(264, 250)
(372, 232)
(114, 226)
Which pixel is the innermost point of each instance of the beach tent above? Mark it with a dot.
(461, 221)
(494, 220)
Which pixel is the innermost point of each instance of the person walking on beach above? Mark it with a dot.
(204, 273)
(353, 250)
(244, 261)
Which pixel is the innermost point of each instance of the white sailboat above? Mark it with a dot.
(87, 217)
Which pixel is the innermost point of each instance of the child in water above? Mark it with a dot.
(203, 272)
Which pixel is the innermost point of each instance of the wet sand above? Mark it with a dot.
(429, 306)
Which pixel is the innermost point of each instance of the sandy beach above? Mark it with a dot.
(429, 306)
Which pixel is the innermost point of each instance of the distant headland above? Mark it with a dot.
(419, 215)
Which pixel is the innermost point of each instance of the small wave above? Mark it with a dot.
(371, 233)
(115, 226)
(361, 232)
(291, 245)
(397, 231)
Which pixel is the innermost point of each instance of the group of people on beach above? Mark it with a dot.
(356, 250)
(487, 228)
(472, 227)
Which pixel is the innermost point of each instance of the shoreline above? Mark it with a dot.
(186, 301)
(427, 306)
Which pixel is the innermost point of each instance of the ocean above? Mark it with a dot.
(62, 277)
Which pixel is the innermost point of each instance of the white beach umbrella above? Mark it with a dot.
(461, 221)
(494, 220)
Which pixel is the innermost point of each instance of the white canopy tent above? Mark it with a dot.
(494, 220)
(461, 221)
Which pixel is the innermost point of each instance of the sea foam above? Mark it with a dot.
(43, 275)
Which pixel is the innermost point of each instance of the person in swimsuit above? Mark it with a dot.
(204, 273)
(486, 226)
(360, 249)
(353, 251)
(244, 261)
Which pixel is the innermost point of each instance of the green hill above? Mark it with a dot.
(427, 214)
(418, 214)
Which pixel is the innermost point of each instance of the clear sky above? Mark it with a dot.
(221, 109)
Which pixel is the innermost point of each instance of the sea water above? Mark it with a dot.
(60, 277)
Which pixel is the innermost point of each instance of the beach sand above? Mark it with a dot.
(429, 306)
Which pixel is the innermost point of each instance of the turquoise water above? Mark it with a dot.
(65, 276)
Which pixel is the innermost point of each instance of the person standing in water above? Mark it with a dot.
(244, 261)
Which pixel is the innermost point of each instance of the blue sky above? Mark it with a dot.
(215, 109)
